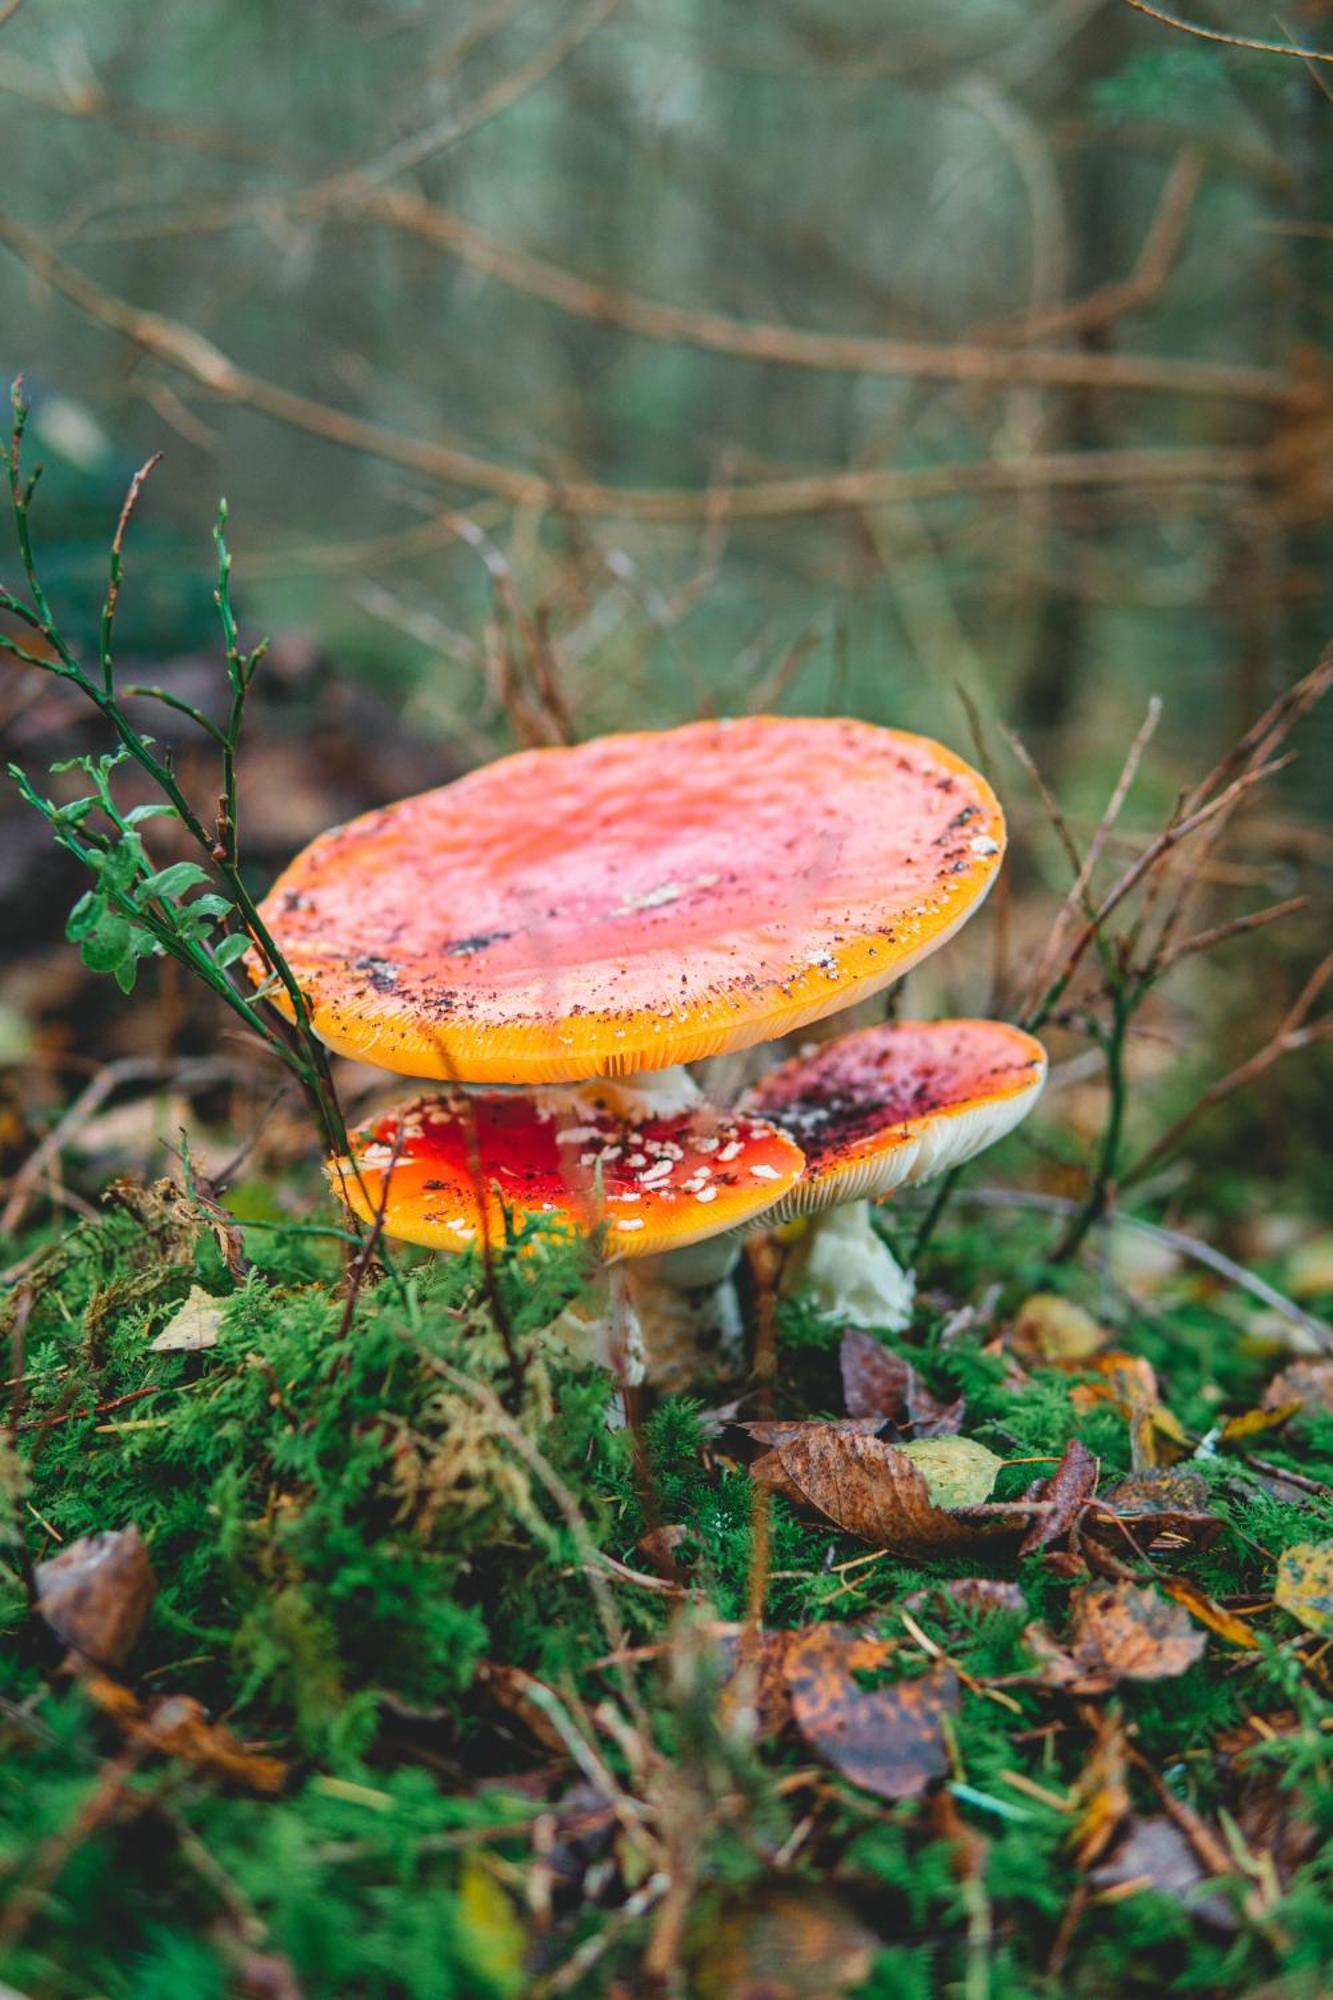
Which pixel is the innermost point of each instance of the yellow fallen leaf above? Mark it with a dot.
(492, 1935)
(1053, 1330)
(1304, 1585)
(1215, 1616)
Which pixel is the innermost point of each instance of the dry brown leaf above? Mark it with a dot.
(1073, 1482)
(1309, 1383)
(95, 1595)
(784, 1943)
(873, 1490)
(1304, 1585)
(1169, 1505)
(878, 1382)
(1122, 1631)
(176, 1725)
(1154, 1854)
(890, 1740)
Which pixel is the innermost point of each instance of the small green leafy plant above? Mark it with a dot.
(199, 912)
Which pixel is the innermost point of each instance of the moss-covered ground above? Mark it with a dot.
(372, 1571)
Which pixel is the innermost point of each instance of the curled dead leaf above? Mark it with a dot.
(1069, 1487)
(176, 1725)
(890, 1740)
(95, 1595)
(1103, 1791)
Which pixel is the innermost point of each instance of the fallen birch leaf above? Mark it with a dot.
(95, 1595)
(958, 1471)
(193, 1326)
(878, 1382)
(1304, 1585)
(890, 1740)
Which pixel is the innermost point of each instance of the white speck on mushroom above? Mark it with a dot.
(704, 1193)
(763, 1173)
(630, 1222)
(982, 844)
(732, 1150)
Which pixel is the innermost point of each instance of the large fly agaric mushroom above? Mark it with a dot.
(622, 906)
(884, 1108)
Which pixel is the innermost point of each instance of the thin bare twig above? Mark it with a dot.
(1231, 41)
(1190, 1247)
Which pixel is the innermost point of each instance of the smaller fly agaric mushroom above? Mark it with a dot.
(883, 1108)
(657, 1171)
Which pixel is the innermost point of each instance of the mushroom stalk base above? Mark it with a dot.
(847, 1272)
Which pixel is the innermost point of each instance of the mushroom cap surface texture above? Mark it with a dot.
(458, 1160)
(635, 901)
(888, 1106)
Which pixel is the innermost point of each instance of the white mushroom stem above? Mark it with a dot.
(846, 1271)
(689, 1312)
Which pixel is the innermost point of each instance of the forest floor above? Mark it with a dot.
(398, 1677)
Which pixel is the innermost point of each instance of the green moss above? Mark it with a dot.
(343, 1538)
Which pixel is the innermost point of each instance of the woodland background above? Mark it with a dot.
(570, 365)
(697, 357)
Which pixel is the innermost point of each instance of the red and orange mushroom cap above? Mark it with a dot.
(889, 1106)
(635, 901)
(459, 1162)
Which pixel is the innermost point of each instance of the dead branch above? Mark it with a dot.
(765, 499)
(981, 364)
(1153, 267)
